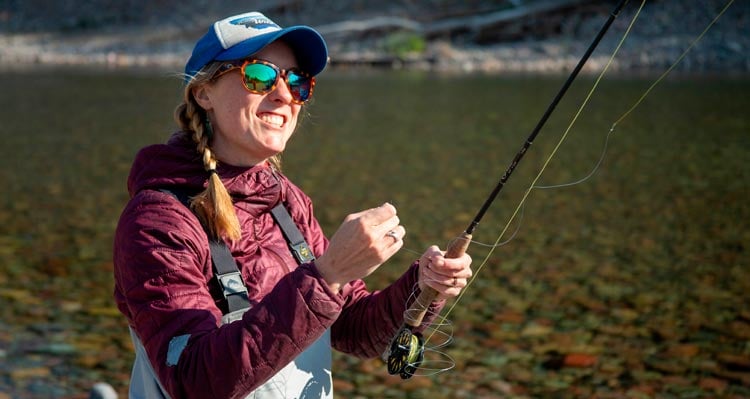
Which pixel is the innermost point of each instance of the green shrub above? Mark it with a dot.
(401, 44)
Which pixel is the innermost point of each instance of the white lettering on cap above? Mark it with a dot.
(235, 29)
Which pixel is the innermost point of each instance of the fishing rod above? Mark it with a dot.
(406, 351)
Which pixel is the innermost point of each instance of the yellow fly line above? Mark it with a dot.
(497, 242)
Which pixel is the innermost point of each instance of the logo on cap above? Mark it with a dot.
(254, 22)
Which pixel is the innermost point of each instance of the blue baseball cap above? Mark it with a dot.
(243, 35)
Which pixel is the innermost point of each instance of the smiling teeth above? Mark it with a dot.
(276, 120)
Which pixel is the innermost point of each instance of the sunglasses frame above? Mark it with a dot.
(280, 73)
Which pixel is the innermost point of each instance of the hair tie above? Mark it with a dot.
(211, 172)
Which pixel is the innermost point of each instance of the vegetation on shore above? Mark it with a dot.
(491, 36)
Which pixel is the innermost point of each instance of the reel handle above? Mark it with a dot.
(415, 314)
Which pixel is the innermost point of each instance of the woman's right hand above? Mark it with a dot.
(361, 244)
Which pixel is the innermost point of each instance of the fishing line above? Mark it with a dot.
(434, 360)
(407, 364)
(663, 75)
(512, 236)
(533, 184)
(597, 166)
(405, 353)
(544, 166)
(482, 244)
(640, 100)
(590, 174)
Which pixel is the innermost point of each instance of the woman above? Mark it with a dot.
(218, 181)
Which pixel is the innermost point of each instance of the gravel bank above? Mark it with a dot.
(662, 32)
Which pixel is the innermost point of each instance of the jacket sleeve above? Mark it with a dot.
(369, 320)
(161, 269)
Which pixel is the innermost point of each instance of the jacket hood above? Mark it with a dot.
(177, 163)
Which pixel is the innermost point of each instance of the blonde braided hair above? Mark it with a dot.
(213, 206)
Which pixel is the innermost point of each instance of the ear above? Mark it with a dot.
(201, 95)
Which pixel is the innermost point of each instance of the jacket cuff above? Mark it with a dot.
(320, 285)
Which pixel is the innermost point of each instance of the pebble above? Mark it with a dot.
(26, 373)
(102, 390)
(579, 360)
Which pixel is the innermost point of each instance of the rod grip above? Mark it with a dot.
(415, 314)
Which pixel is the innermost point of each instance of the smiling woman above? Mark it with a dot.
(223, 272)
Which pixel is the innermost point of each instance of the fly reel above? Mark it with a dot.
(406, 353)
(407, 348)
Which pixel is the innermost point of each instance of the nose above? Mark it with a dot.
(281, 92)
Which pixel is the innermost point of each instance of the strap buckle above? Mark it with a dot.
(231, 284)
(302, 252)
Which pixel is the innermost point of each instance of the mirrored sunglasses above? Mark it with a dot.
(260, 77)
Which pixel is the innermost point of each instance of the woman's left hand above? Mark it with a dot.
(446, 276)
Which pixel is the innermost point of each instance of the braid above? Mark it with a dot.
(213, 206)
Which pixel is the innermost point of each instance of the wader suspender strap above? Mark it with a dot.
(297, 243)
(228, 276)
(225, 267)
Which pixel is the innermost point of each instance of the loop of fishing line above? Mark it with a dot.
(422, 359)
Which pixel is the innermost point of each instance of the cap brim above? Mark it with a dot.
(306, 43)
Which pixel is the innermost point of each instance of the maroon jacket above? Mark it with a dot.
(164, 286)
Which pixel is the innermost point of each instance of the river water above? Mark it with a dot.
(665, 212)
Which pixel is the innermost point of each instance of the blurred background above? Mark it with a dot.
(463, 35)
(632, 284)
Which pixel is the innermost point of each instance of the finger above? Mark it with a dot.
(379, 215)
(431, 254)
(386, 226)
(447, 288)
(373, 216)
(393, 245)
(445, 279)
(453, 267)
(445, 276)
(397, 234)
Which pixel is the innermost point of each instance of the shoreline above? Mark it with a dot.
(654, 44)
(549, 57)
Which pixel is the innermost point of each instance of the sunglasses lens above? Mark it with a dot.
(299, 85)
(259, 77)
